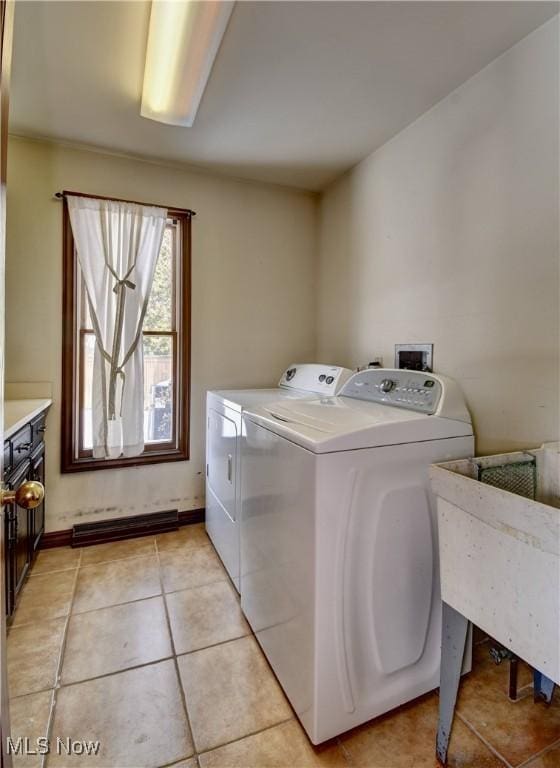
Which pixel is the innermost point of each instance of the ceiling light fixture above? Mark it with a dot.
(183, 41)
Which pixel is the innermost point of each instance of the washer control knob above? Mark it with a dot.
(322, 377)
(290, 373)
(330, 379)
(386, 385)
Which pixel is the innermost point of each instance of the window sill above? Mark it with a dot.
(151, 457)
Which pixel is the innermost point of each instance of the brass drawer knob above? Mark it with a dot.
(29, 495)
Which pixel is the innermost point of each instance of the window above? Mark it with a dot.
(166, 346)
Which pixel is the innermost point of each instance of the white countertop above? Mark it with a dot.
(17, 413)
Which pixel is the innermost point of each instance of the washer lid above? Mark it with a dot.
(324, 425)
(241, 399)
(298, 381)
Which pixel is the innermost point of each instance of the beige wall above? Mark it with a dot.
(253, 309)
(449, 234)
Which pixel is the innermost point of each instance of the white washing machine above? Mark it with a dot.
(339, 552)
(223, 429)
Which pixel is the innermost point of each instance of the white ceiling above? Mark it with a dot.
(300, 91)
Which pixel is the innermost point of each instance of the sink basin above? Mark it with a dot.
(500, 553)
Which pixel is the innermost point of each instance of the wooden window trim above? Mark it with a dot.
(155, 453)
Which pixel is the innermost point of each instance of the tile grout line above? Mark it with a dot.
(181, 761)
(80, 566)
(135, 666)
(115, 672)
(174, 652)
(214, 645)
(31, 693)
(90, 610)
(56, 686)
(120, 560)
(251, 634)
(544, 751)
(118, 605)
(345, 752)
(290, 719)
(197, 586)
(485, 741)
(117, 560)
(86, 564)
(32, 576)
(126, 602)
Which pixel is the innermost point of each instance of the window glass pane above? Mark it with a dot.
(159, 315)
(88, 325)
(88, 346)
(83, 313)
(158, 388)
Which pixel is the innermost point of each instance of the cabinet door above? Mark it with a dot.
(37, 515)
(19, 544)
(9, 559)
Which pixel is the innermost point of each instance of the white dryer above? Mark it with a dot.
(223, 429)
(339, 552)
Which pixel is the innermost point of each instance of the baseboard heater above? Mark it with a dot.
(124, 528)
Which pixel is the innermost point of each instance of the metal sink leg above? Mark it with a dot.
(543, 687)
(453, 639)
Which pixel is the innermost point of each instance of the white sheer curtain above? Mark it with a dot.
(117, 246)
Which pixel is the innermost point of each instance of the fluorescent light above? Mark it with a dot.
(183, 41)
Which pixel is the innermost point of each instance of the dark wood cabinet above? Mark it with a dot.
(9, 540)
(18, 547)
(24, 459)
(37, 515)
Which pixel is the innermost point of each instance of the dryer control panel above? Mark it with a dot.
(415, 390)
(315, 378)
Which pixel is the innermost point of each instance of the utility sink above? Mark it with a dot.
(500, 551)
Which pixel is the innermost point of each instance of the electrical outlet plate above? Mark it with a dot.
(422, 353)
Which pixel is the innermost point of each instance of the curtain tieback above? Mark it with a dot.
(124, 282)
(120, 372)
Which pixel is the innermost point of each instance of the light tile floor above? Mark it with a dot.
(142, 645)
